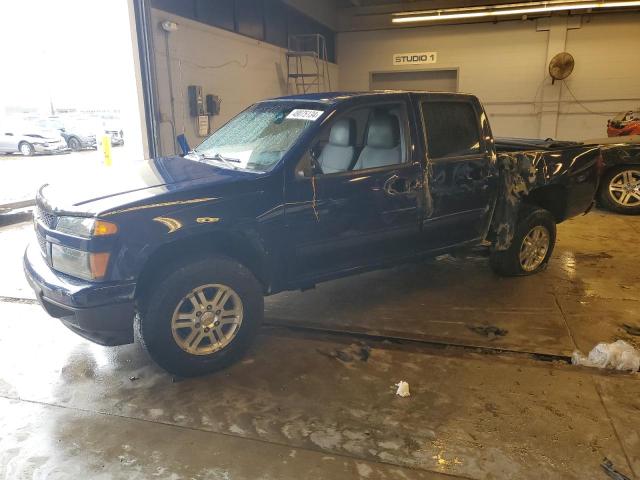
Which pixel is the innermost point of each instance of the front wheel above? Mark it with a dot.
(201, 317)
(620, 190)
(531, 247)
(26, 149)
(74, 144)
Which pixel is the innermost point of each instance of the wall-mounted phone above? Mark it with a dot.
(196, 101)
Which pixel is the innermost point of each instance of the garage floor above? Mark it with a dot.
(308, 403)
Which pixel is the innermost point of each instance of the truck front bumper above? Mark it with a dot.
(100, 312)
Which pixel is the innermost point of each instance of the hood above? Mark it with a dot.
(39, 134)
(106, 188)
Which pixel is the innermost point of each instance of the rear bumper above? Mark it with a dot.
(98, 312)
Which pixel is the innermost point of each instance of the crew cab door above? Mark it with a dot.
(353, 198)
(461, 164)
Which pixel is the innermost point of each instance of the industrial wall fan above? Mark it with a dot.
(561, 66)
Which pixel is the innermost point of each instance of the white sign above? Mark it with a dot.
(418, 58)
(300, 114)
(203, 125)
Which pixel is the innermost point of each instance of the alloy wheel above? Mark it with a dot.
(534, 248)
(25, 149)
(207, 319)
(624, 188)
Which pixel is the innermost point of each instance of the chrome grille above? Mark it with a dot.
(48, 219)
(42, 242)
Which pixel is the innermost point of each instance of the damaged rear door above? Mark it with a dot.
(462, 169)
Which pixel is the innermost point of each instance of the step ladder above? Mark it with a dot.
(307, 64)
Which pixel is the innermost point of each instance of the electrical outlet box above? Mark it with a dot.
(196, 104)
(213, 105)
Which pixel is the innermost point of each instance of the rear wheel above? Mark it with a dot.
(620, 190)
(26, 149)
(201, 317)
(531, 247)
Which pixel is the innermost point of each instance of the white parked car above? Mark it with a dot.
(30, 140)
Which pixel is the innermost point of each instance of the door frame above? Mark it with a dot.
(414, 70)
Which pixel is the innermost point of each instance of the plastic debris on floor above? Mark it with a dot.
(403, 389)
(618, 355)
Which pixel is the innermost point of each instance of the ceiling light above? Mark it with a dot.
(493, 12)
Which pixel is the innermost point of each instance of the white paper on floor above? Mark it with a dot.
(618, 355)
(403, 389)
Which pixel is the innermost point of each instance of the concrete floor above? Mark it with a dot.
(291, 410)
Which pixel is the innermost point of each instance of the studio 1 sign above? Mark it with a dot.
(419, 58)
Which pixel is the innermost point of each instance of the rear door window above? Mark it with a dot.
(452, 129)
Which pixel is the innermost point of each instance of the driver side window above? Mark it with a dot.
(360, 139)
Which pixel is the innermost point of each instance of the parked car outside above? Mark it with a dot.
(20, 137)
(77, 135)
(292, 192)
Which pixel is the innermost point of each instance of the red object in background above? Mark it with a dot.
(624, 124)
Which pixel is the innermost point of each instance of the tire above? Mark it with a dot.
(620, 190)
(26, 149)
(535, 225)
(167, 337)
(74, 144)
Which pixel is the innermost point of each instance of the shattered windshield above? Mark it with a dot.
(259, 137)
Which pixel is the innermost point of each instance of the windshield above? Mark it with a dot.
(258, 138)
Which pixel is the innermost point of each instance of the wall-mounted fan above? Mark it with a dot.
(561, 66)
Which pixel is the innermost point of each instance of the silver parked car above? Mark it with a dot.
(30, 140)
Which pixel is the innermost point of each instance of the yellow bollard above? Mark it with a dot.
(106, 149)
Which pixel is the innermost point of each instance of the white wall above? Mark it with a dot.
(238, 69)
(505, 64)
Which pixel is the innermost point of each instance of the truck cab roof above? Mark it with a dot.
(331, 98)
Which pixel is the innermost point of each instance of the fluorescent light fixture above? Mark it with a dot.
(513, 9)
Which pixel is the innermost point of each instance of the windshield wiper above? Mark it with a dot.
(226, 160)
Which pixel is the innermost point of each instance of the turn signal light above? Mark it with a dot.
(101, 228)
(98, 265)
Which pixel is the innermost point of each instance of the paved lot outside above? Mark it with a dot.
(20, 177)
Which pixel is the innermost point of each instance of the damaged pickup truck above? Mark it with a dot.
(291, 192)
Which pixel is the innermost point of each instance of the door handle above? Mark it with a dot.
(395, 186)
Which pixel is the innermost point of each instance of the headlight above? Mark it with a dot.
(85, 227)
(86, 265)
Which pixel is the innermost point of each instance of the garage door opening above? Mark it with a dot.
(431, 80)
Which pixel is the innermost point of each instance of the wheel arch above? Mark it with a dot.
(552, 198)
(233, 245)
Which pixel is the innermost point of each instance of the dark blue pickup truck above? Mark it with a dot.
(291, 192)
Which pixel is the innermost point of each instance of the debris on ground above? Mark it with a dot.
(609, 469)
(489, 331)
(403, 389)
(356, 351)
(618, 355)
(631, 329)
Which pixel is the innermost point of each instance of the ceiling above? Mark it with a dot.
(375, 14)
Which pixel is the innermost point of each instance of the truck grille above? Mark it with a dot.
(48, 219)
(42, 242)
